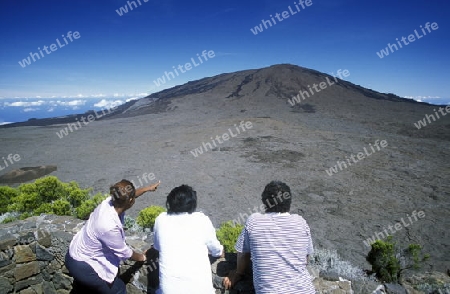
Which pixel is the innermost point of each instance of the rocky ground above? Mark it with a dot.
(292, 144)
(32, 262)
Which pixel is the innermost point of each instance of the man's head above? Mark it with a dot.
(181, 199)
(123, 194)
(277, 197)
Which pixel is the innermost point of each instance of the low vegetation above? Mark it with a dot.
(47, 195)
(228, 234)
(389, 262)
(147, 216)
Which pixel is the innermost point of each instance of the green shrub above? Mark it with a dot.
(385, 259)
(414, 251)
(88, 206)
(50, 196)
(6, 196)
(44, 208)
(147, 216)
(9, 219)
(61, 207)
(75, 195)
(228, 234)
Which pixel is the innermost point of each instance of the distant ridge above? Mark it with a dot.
(283, 82)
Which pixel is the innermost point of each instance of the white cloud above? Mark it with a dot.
(422, 97)
(71, 103)
(98, 95)
(30, 109)
(25, 104)
(108, 103)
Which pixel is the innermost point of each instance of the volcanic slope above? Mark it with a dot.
(296, 144)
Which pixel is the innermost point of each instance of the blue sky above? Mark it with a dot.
(121, 56)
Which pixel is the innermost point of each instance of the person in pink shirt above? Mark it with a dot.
(96, 251)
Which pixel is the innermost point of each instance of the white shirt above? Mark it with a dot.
(183, 241)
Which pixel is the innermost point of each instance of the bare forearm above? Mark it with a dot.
(150, 188)
(141, 191)
(138, 256)
(243, 262)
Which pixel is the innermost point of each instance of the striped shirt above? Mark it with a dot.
(101, 241)
(278, 244)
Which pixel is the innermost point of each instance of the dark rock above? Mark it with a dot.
(46, 275)
(61, 281)
(395, 289)
(64, 270)
(7, 241)
(48, 288)
(27, 238)
(53, 267)
(23, 253)
(26, 270)
(5, 257)
(364, 286)
(131, 289)
(62, 236)
(27, 291)
(329, 275)
(5, 286)
(44, 238)
(7, 268)
(43, 254)
(30, 224)
(38, 288)
(26, 174)
(28, 282)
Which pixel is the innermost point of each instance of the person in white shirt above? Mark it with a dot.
(184, 238)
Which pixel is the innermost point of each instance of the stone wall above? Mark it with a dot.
(32, 261)
(32, 255)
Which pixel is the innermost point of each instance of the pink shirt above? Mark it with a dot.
(101, 242)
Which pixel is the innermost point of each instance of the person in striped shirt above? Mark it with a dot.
(278, 244)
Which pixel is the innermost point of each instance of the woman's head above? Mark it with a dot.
(277, 197)
(181, 199)
(123, 194)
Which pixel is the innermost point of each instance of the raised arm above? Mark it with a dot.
(149, 188)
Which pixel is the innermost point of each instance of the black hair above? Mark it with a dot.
(121, 193)
(277, 197)
(181, 199)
